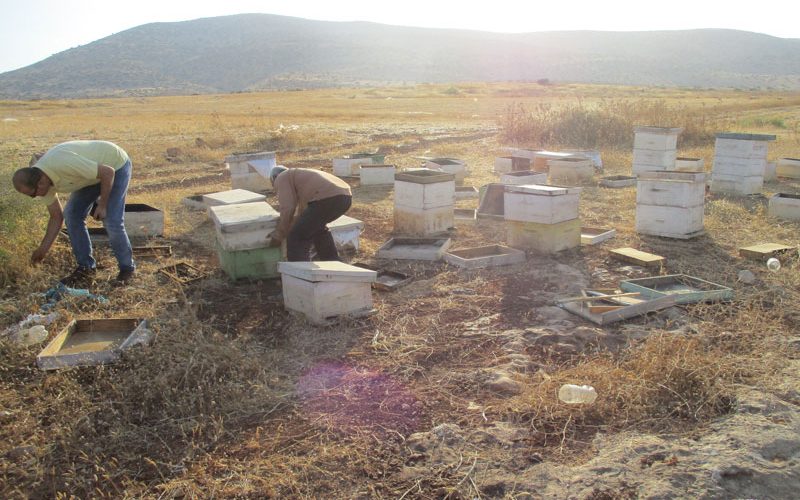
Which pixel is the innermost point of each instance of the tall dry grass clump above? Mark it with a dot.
(606, 124)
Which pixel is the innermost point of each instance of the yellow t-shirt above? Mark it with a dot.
(73, 165)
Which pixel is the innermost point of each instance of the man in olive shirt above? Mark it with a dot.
(321, 198)
(95, 173)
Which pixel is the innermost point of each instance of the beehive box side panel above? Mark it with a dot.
(669, 221)
(736, 185)
(670, 193)
(743, 167)
(423, 222)
(548, 238)
(524, 207)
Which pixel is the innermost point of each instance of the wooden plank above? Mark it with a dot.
(764, 251)
(590, 298)
(633, 256)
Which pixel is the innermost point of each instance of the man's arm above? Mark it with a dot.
(50, 235)
(106, 176)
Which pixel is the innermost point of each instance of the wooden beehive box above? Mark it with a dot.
(742, 145)
(735, 184)
(377, 174)
(540, 203)
(449, 165)
(788, 168)
(491, 201)
(467, 215)
(346, 232)
(250, 171)
(89, 342)
(485, 256)
(656, 138)
(541, 159)
(350, 165)
(595, 235)
(523, 177)
(326, 289)
(742, 167)
(546, 238)
(637, 257)
(685, 164)
(244, 226)
(232, 197)
(413, 248)
(424, 189)
(254, 264)
(672, 189)
(618, 181)
(784, 206)
(143, 221)
(686, 289)
(571, 170)
(670, 222)
(423, 221)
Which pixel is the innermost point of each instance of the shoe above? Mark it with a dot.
(81, 277)
(124, 277)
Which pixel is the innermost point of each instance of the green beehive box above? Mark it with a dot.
(257, 263)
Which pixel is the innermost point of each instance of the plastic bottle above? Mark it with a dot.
(575, 394)
(773, 264)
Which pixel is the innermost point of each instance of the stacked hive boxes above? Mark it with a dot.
(670, 204)
(350, 165)
(243, 233)
(505, 164)
(655, 148)
(423, 202)
(322, 290)
(542, 218)
(251, 170)
(739, 163)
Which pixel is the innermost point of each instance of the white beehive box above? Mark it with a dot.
(571, 170)
(326, 289)
(424, 189)
(346, 232)
(143, 221)
(735, 184)
(541, 159)
(546, 238)
(647, 160)
(656, 138)
(771, 171)
(413, 248)
(675, 189)
(466, 192)
(684, 164)
(450, 165)
(244, 226)
(523, 177)
(742, 145)
(251, 170)
(377, 174)
(670, 222)
(423, 221)
(232, 197)
(350, 165)
(739, 163)
(788, 167)
(742, 167)
(505, 164)
(541, 204)
(486, 256)
(784, 206)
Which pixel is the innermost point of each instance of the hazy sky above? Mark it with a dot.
(32, 30)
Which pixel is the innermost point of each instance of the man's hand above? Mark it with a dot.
(38, 255)
(99, 213)
(273, 243)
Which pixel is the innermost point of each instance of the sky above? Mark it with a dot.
(32, 30)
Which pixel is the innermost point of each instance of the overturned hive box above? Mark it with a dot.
(323, 290)
(89, 342)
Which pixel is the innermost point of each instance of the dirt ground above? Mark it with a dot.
(447, 390)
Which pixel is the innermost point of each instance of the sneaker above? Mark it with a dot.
(81, 277)
(124, 277)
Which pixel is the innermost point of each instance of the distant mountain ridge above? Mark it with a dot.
(249, 52)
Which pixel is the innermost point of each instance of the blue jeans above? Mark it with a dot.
(77, 209)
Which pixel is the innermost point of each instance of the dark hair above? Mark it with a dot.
(33, 177)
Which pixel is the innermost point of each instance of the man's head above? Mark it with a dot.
(31, 181)
(273, 173)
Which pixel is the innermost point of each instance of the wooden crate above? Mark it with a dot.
(546, 238)
(232, 197)
(377, 175)
(571, 170)
(670, 222)
(686, 289)
(637, 257)
(618, 181)
(784, 206)
(244, 226)
(736, 185)
(788, 168)
(541, 204)
(764, 251)
(674, 189)
(523, 177)
(596, 235)
(256, 263)
(143, 221)
(89, 342)
(424, 194)
(485, 256)
(656, 138)
(423, 221)
(413, 248)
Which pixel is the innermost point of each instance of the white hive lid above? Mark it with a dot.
(243, 217)
(232, 196)
(327, 271)
(345, 222)
(542, 190)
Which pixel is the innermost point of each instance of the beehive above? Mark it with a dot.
(541, 204)
(541, 159)
(251, 170)
(670, 204)
(326, 289)
(546, 238)
(654, 148)
(685, 164)
(571, 170)
(739, 163)
(350, 165)
(256, 263)
(450, 165)
(244, 226)
(423, 202)
(143, 221)
(505, 164)
(377, 174)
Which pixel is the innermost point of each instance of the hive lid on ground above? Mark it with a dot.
(327, 271)
(243, 216)
(542, 189)
(345, 222)
(746, 137)
(231, 197)
(627, 254)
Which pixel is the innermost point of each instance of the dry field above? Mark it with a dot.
(449, 389)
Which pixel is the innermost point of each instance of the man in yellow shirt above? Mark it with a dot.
(95, 173)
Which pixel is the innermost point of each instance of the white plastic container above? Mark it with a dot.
(577, 394)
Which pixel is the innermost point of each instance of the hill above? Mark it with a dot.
(261, 51)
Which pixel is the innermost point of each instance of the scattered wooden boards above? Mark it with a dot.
(633, 256)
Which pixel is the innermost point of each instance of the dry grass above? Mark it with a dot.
(237, 398)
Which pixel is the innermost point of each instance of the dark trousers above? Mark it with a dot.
(310, 228)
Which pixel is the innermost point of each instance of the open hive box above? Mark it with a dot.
(386, 279)
(486, 256)
(686, 289)
(604, 306)
(90, 342)
(413, 248)
(182, 272)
